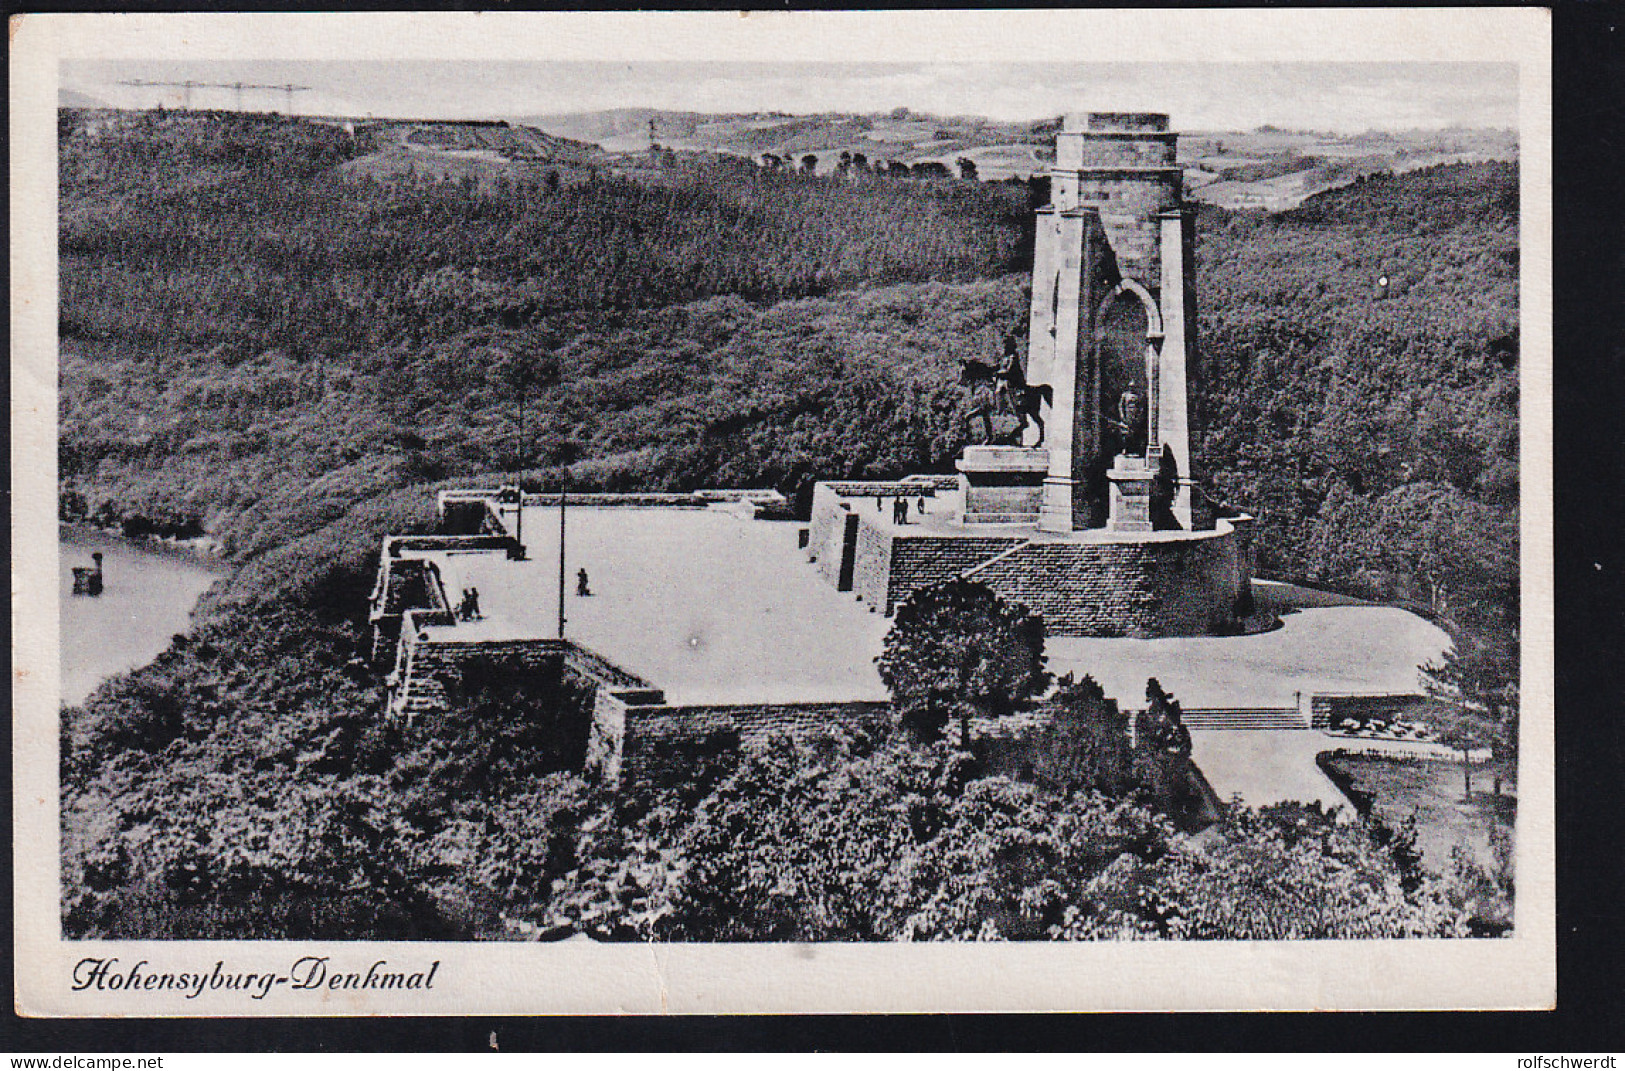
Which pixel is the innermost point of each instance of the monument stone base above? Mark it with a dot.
(1002, 484)
(1130, 506)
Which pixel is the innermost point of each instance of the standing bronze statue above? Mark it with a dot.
(1130, 424)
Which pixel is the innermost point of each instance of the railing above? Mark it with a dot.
(895, 488)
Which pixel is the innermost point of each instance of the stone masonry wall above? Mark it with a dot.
(1182, 587)
(918, 561)
(871, 569)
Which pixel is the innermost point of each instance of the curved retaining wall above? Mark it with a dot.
(1168, 584)
(1095, 584)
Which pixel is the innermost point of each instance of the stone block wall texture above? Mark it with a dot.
(827, 544)
(1164, 587)
(826, 529)
(428, 672)
(871, 563)
(404, 585)
(824, 507)
(919, 561)
(935, 481)
(606, 737)
(464, 516)
(483, 541)
(1135, 122)
(1168, 587)
(907, 488)
(833, 500)
(994, 501)
(1140, 150)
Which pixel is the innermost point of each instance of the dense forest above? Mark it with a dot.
(256, 346)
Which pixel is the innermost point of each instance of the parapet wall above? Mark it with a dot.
(826, 530)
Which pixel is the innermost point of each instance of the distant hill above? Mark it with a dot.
(484, 150)
(900, 136)
(1266, 168)
(618, 129)
(72, 98)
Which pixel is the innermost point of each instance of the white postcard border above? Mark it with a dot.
(583, 977)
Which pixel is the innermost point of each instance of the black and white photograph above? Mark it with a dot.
(1064, 503)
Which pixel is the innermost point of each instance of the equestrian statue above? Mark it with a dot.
(1003, 388)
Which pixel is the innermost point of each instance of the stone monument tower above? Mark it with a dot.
(1091, 525)
(1112, 327)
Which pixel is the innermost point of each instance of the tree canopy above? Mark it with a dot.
(958, 649)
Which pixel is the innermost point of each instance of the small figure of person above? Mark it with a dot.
(919, 506)
(471, 604)
(583, 589)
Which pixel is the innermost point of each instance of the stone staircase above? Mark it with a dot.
(417, 689)
(1245, 718)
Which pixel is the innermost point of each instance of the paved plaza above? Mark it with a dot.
(1267, 766)
(718, 609)
(707, 606)
(1355, 647)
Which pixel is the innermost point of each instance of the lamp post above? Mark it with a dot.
(519, 470)
(564, 484)
(520, 383)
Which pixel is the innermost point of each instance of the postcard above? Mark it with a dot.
(782, 512)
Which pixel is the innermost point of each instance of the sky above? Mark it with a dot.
(1329, 96)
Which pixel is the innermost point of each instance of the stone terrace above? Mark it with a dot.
(715, 609)
(728, 619)
(709, 607)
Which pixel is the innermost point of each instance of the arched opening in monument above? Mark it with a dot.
(1125, 389)
(1120, 397)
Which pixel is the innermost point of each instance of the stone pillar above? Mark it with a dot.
(1045, 300)
(1177, 301)
(1074, 259)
